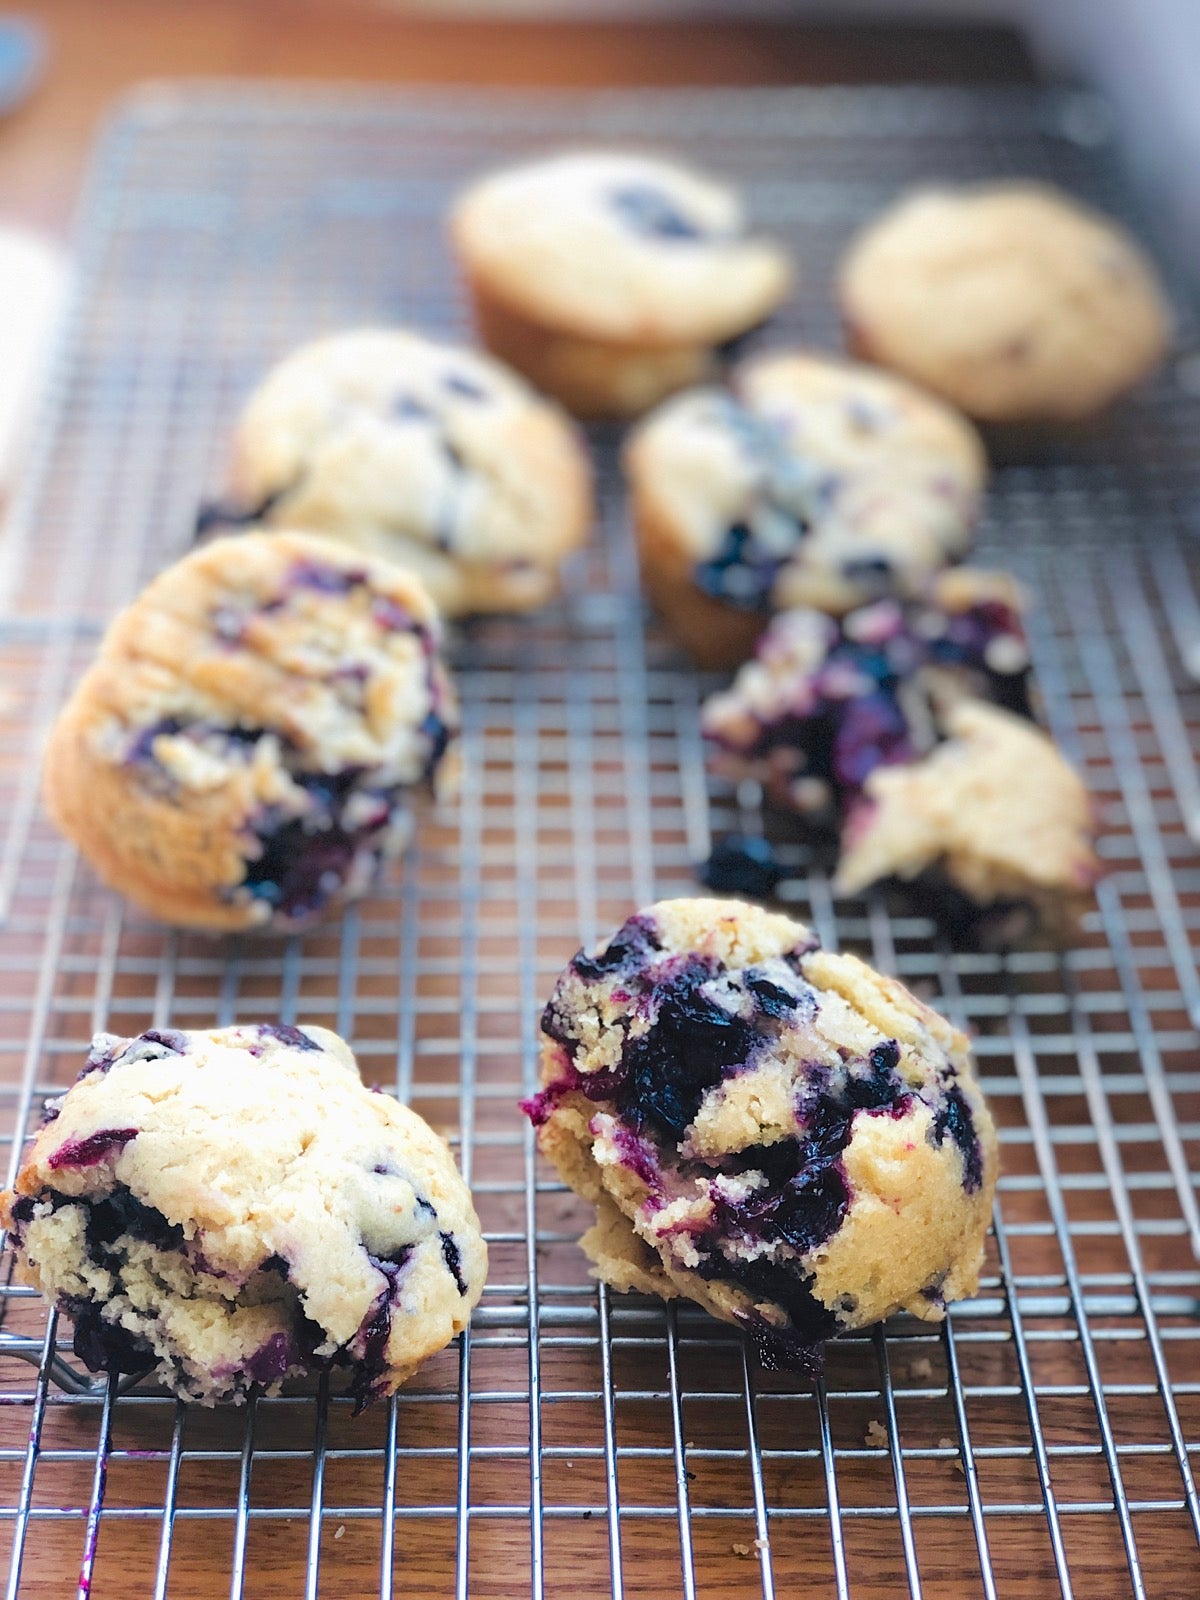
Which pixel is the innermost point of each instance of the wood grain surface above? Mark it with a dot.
(99, 48)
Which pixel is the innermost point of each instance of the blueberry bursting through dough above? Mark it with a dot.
(229, 1209)
(242, 751)
(780, 1134)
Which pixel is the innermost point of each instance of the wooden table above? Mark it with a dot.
(99, 48)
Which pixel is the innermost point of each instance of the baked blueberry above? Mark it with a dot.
(239, 1209)
(243, 750)
(780, 1134)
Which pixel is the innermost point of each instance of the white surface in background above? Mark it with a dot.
(32, 284)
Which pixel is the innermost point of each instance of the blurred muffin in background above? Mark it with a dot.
(809, 481)
(611, 280)
(422, 453)
(1010, 299)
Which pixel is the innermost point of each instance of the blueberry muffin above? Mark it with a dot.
(809, 481)
(1010, 299)
(780, 1134)
(421, 453)
(611, 279)
(909, 730)
(232, 1208)
(242, 751)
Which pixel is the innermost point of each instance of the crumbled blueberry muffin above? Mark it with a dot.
(1012, 300)
(417, 452)
(808, 481)
(780, 1134)
(228, 1209)
(909, 728)
(242, 751)
(611, 279)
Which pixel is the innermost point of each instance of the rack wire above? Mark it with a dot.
(577, 1442)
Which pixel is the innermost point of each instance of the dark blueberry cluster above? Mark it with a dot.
(842, 735)
(303, 860)
(742, 572)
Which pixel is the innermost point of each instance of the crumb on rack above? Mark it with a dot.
(952, 1444)
(339, 1530)
(921, 1369)
(876, 1434)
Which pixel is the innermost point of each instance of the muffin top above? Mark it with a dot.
(245, 740)
(620, 247)
(234, 1206)
(810, 481)
(423, 453)
(1010, 299)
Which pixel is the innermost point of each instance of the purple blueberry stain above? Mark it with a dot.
(272, 1360)
(325, 579)
(105, 1346)
(91, 1150)
(159, 1043)
(390, 615)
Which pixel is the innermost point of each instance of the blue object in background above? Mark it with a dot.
(22, 58)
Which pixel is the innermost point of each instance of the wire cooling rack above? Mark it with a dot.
(577, 1443)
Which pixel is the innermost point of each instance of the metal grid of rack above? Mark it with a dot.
(1044, 1440)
